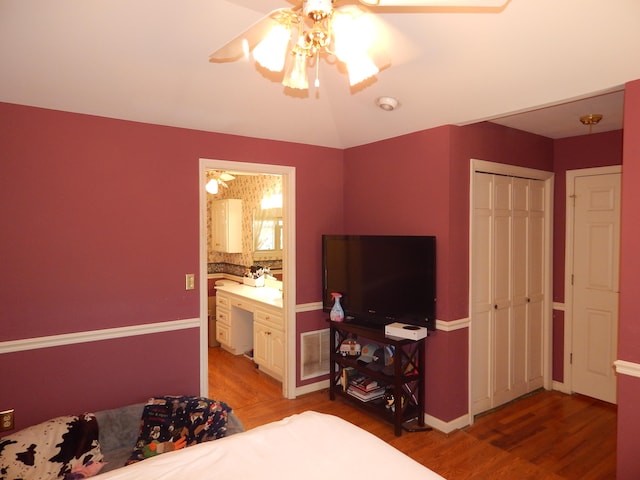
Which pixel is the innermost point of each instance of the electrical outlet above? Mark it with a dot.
(189, 281)
(6, 420)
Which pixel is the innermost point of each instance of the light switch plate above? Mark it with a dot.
(189, 281)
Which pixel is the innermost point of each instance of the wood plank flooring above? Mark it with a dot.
(545, 436)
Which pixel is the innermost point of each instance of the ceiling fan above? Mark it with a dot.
(217, 178)
(297, 37)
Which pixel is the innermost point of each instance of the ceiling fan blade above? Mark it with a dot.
(243, 43)
(225, 176)
(435, 3)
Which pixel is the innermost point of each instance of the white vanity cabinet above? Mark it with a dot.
(234, 329)
(251, 318)
(226, 225)
(268, 342)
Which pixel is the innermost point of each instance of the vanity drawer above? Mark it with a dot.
(223, 333)
(222, 301)
(269, 318)
(244, 304)
(222, 316)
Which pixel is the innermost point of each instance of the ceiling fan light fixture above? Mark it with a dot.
(435, 3)
(212, 186)
(360, 68)
(271, 52)
(316, 29)
(317, 10)
(296, 74)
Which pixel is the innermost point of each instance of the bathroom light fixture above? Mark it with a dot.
(591, 120)
(217, 178)
(212, 186)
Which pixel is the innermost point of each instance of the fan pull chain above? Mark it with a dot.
(317, 82)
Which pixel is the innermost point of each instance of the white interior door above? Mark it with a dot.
(508, 289)
(596, 252)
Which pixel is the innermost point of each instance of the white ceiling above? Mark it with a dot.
(147, 61)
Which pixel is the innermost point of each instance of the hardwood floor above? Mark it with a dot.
(545, 436)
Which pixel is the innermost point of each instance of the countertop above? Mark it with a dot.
(267, 295)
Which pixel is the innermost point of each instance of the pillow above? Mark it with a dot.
(51, 449)
(173, 422)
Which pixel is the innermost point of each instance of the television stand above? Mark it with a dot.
(402, 382)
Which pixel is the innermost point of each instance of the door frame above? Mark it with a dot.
(494, 168)
(288, 264)
(566, 386)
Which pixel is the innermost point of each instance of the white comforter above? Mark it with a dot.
(306, 446)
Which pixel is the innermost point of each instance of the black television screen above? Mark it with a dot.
(382, 278)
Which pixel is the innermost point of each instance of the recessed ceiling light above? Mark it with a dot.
(387, 103)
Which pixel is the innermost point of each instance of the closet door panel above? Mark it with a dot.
(535, 360)
(502, 333)
(481, 364)
(501, 242)
(502, 357)
(519, 351)
(535, 282)
(482, 295)
(519, 265)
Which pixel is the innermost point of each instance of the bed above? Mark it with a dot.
(308, 445)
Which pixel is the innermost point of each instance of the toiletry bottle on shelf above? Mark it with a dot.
(337, 313)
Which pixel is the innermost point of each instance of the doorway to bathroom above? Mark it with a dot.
(267, 237)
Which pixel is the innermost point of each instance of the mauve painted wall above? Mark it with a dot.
(629, 331)
(73, 379)
(419, 184)
(100, 225)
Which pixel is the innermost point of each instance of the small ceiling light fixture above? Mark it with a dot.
(212, 186)
(387, 103)
(217, 178)
(591, 120)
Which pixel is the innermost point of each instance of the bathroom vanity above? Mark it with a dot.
(251, 318)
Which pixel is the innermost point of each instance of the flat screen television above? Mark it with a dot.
(382, 278)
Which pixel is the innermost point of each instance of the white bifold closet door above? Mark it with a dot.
(508, 222)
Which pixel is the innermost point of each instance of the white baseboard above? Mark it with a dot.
(312, 387)
(447, 427)
(561, 387)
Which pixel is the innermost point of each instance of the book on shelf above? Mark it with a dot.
(366, 396)
(365, 383)
(348, 374)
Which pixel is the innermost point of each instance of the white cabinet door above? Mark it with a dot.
(226, 225)
(260, 344)
(268, 349)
